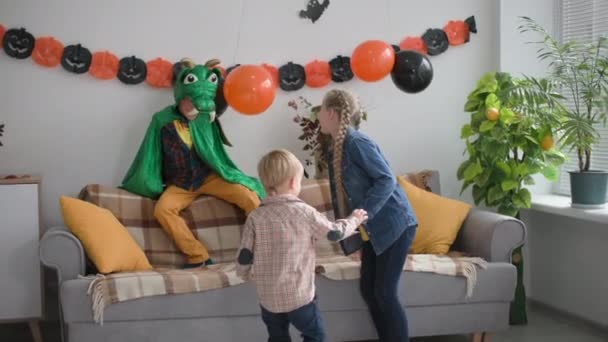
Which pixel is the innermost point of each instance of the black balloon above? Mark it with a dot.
(412, 72)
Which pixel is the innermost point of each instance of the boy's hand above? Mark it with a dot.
(360, 215)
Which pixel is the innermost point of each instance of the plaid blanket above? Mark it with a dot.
(345, 268)
(218, 225)
(120, 287)
(115, 288)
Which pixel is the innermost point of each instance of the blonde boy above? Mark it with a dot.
(278, 249)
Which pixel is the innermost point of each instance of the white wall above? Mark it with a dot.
(75, 130)
(568, 263)
(518, 57)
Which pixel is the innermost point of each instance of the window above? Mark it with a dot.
(584, 21)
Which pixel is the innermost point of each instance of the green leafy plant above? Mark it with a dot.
(509, 139)
(580, 70)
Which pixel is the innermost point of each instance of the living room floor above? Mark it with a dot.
(544, 325)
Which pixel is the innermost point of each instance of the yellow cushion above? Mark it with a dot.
(439, 219)
(106, 241)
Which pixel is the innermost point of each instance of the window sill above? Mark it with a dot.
(560, 205)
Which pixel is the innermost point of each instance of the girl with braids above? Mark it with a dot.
(360, 177)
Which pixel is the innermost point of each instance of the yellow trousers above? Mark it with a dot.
(175, 199)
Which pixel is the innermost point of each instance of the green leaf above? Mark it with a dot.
(487, 125)
(529, 181)
(492, 101)
(550, 172)
(508, 185)
(526, 197)
(504, 168)
(508, 210)
(555, 157)
(472, 171)
(461, 168)
(472, 105)
(495, 194)
(506, 116)
(465, 185)
(483, 179)
(522, 170)
(466, 131)
(478, 194)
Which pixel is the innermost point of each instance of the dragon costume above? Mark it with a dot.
(200, 84)
(182, 156)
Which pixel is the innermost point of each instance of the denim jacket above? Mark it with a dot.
(369, 184)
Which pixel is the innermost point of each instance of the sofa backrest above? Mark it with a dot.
(216, 223)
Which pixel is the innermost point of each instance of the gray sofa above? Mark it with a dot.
(435, 304)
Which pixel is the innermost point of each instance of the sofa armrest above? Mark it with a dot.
(62, 251)
(490, 235)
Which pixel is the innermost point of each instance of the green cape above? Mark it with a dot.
(145, 174)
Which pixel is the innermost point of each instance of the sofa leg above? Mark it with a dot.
(481, 337)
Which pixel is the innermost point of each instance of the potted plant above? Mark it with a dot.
(508, 140)
(581, 71)
(316, 143)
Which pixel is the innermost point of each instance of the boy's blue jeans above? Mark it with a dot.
(306, 319)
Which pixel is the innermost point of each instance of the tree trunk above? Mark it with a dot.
(581, 164)
(587, 160)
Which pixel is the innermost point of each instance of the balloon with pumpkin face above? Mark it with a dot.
(18, 43)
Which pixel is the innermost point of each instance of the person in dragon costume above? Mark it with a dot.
(182, 156)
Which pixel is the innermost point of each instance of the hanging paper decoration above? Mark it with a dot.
(340, 69)
(229, 70)
(413, 71)
(436, 41)
(457, 32)
(47, 52)
(249, 89)
(2, 30)
(292, 77)
(470, 21)
(314, 10)
(317, 74)
(372, 60)
(413, 43)
(18, 43)
(104, 65)
(132, 70)
(274, 72)
(76, 59)
(159, 73)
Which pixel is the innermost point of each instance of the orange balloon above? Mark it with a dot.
(273, 71)
(372, 60)
(249, 89)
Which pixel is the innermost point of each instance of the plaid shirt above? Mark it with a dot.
(281, 233)
(182, 167)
